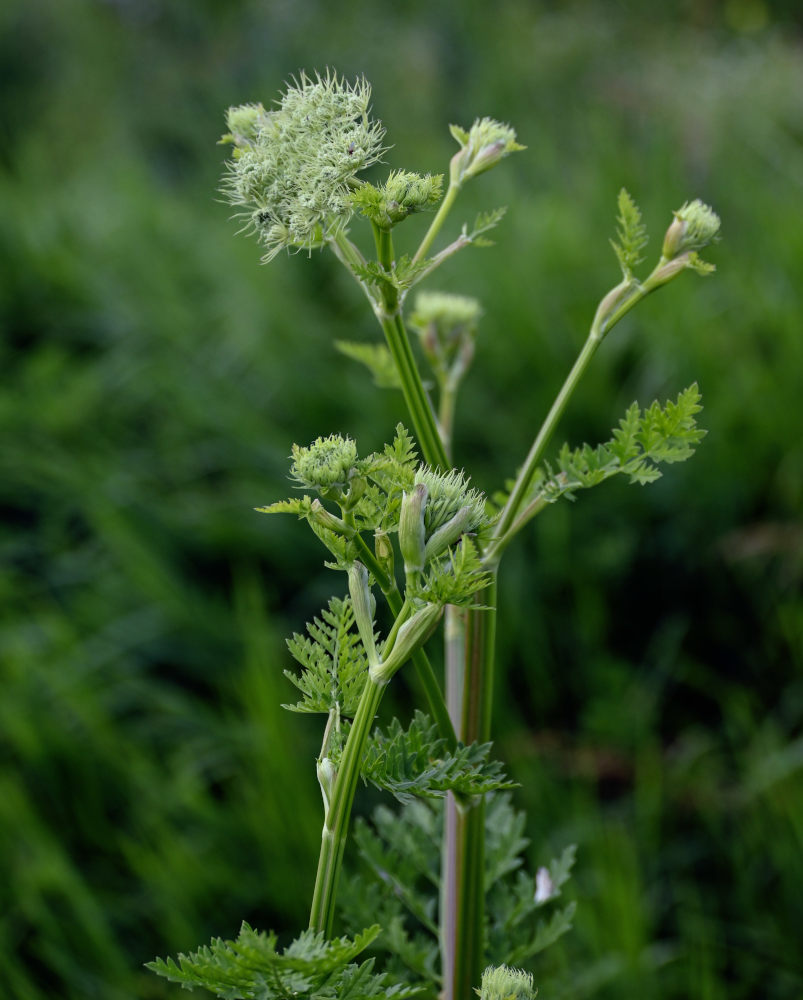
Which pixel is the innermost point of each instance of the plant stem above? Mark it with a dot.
(454, 655)
(423, 668)
(462, 921)
(502, 532)
(418, 405)
(336, 822)
(437, 222)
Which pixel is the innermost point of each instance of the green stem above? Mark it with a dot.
(454, 634)
(418, 405)
(437, 222)
(423, 668)
(502, 532)
(446, 405)
(335, 827)
(464, 948)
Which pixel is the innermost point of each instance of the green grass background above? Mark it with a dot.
(153, 377)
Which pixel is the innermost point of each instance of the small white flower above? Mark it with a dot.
(544, 886)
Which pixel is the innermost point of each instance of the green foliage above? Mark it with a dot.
(453, 579)
(376, 358)
(643, 438)
(333, 658)
(145, 405)
(484, 223)
(416, 762)
(400, 851)
(311, 968)
(631, 235)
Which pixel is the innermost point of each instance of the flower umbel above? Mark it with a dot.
(402, 194)
(328, 463)
(293, 168)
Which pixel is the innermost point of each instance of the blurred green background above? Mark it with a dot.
(154, 375)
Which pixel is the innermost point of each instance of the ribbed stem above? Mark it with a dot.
(336, 822)
(464, 920)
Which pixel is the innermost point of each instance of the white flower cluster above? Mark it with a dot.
(292, 168)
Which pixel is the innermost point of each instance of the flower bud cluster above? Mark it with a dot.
(695, 226)
(504, 983)
(402, 194)
(482, 147)
(293, 168)
(447, 326)
(435, 514)
(328, 463)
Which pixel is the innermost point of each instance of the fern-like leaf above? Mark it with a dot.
(415, 762)
(631, 235)
(455, 579)
(251, 968)
(643, 439)
(484, 223)
(333, 659)
(389, 473)
(301, 506)
(399, 884)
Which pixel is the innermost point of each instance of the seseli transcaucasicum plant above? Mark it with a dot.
(409, 533)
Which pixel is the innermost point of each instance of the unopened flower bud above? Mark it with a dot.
(326, 519)
(326, 464)
(242, 123)
(412, 635)
(449, 533)
(482, 147)
(504, 983)
(412, 533)
(694, 227)
(383, 549)
(327, 776)
(362, 603)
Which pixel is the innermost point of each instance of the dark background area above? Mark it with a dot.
(154, 376)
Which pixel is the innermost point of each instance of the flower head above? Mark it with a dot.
(293, 167)
(504, 983)
(695, 226)
(328, 463)
(482, 147)
(447, 493)
(402, 194)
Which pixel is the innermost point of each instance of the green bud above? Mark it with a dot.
(695, 227)
(402, 194)
(412, 533)
(504, 983)
(321, 516)
(412, 635)
(482, 147)
(449, 533)
(362, 602)
(448, 492)
(447, 326)
(328, 463)
(243, 124)
(383, 549)
(327, 775)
